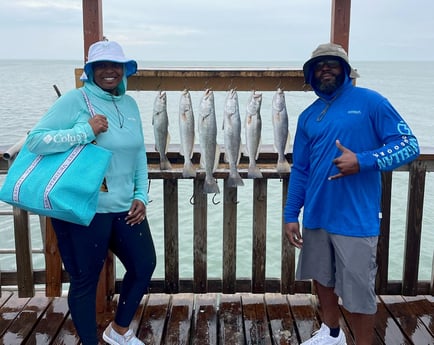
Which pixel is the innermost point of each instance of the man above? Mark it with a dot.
(344, 139)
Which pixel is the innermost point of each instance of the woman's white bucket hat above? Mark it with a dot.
(109, 51)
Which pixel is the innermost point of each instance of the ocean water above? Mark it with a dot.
(28, 92)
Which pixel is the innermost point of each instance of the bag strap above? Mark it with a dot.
(89, 105)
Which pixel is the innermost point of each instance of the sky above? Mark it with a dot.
(223, 30)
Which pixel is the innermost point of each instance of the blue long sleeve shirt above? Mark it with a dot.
(66, 124)
(366, 123)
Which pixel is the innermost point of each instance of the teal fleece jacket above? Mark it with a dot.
(66, 124)
(366, 123)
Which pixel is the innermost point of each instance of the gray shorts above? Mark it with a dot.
(346, 263)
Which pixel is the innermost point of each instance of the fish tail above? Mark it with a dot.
(165, 164)
(254, 172)
(283, 166)
(235, 180)
(210, 186)
(188, 170)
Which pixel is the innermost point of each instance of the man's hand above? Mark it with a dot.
(292, 231)
(347, 162)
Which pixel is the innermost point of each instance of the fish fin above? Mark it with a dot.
(235, 180)
(167, 142)
(210, 186)
(165, 164)
(254, 172)
(258, 150)
(216, 158)
(239, 153)
(288, 144)
(188, 170)
(283, 166)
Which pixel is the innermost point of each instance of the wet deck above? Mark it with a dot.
(216, 319)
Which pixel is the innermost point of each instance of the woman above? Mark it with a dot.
(120, 223)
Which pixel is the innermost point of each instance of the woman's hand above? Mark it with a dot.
(137, 213)
(99, 124)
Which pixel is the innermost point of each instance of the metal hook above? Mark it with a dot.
(213, 199)
(236, 202)
(192, 202)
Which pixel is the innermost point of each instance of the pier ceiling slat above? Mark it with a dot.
(172, 79)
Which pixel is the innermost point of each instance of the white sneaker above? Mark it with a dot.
(114, 338)
(323, 337)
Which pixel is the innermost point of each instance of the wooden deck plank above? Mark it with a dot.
(179, 323)
(21, 327)
(424, 309)
(349, 326)
(164, 319)
(4, 297)
(231, 320)
(67, 334)
(154, 319)
(387, 328)
(10, 310)
(409, 322)
(255, 319)
(280, 319)
(205, 320)
(50, 322)
(304, 314)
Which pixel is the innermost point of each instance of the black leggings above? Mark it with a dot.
(84, 250)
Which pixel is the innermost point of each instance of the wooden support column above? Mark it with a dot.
(340, 27)
(93, 32)
(92, 23)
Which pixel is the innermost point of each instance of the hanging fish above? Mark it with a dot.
(207, 128)
(253, 125)
(232, 138)
(280, 129)
(160, 122)
(186, 133)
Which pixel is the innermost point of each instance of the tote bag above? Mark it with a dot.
(62, 185)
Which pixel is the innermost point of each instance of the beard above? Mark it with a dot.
(331, 85)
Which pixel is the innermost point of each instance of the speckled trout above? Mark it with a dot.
(160, 122)
(207, 128)
(186, 133)
(281, 131)
(232, 137)
(253, 125)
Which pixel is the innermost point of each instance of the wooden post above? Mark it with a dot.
(413, 236)
(53, 262)
(92, 23)
(93, 32)
(340, 28)
(23, 253)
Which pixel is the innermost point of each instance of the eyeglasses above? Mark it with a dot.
(330, 63)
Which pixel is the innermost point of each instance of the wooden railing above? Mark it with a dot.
(53, 275)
